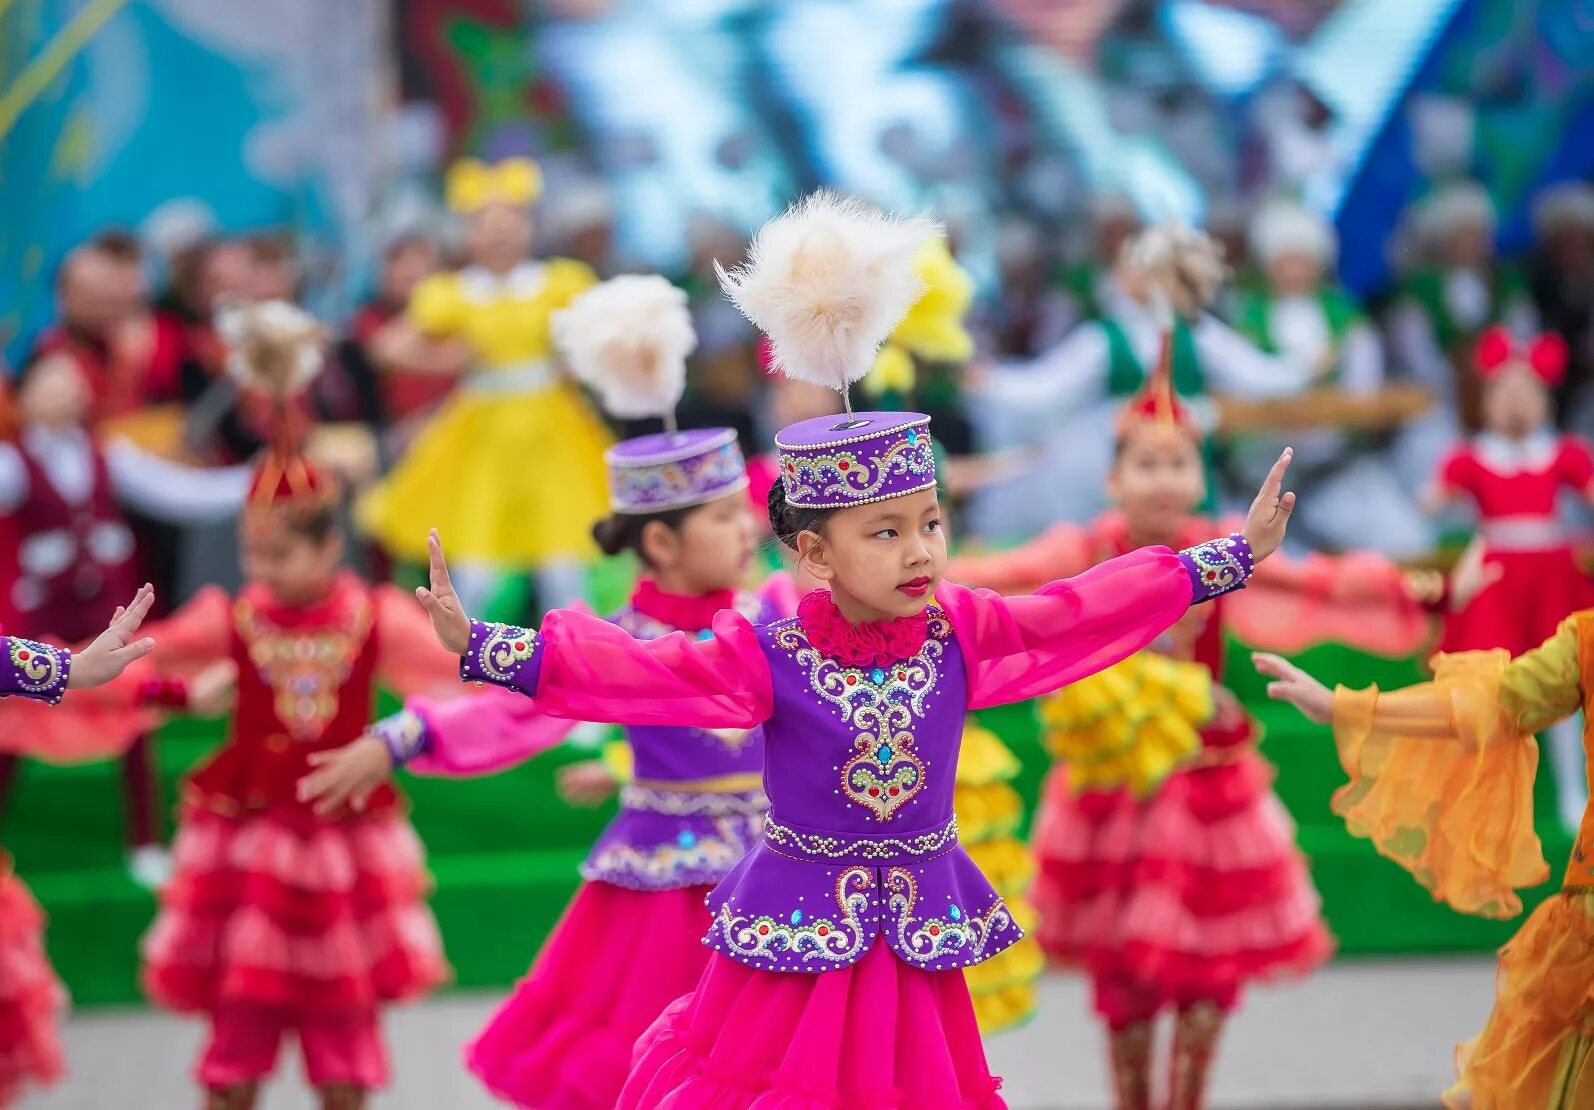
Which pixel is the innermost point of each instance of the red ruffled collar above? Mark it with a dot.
(873, 644)
(691, 614)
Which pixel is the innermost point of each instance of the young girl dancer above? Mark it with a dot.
(631, 941)
(31, 999)
(1514, 473)
(1173, 896)
(1441, 781)
(280, 919)
(839, 940)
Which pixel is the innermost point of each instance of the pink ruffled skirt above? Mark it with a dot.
(879, 1035)
(31, 1000)
(616, 960)
(286, 910)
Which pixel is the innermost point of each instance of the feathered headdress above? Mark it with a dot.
(1545, 356)
(827, 282)
(275, 351)
(628, 339)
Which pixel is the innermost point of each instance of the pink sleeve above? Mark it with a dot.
(1576, 463)
(1360, 600)
(1021, 647)
(583, 668)
(781, 594)
(409, 658)
(482, 734)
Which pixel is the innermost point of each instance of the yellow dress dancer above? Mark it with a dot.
(989, 812)
(511, 470)
(1441, 781)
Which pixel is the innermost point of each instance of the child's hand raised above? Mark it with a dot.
(1293, 685)
(587, 783)
(442, 603)
(115, 648)
(1270, 512)
(346, 775)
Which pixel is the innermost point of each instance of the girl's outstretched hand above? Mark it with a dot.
(115, 648)
(442, 603)
(346, 775)
(586, 783)
(1293, 685)
(1270, 512)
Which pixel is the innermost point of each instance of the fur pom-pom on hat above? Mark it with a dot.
(629, 339)
(1284, 227)
(827, 283)
(274, 347)
(1184, 266)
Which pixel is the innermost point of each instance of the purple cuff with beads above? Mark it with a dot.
(32, 670)
(1218, 567)
(503, 655)
(405, 735)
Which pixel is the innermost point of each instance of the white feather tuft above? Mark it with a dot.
(828, 282)
(1183, 266)
(274, 347)
(628, 339)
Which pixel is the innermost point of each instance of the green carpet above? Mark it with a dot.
(504, 849)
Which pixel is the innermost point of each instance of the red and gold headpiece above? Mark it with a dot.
(1157, 405)
(275, 352)
(1544, 355)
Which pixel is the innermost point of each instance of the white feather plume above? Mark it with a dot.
(273, 346)
(1184, 266)
(628, 339)
(828, 282)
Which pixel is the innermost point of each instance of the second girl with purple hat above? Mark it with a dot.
(630, 941)
(839, 941)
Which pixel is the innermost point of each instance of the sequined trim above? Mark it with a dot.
(40, 668)
(882, 703)
(305, 667)
(502, 649)
(837, 940)
(676, 484)
(1219, 566)
(680, 803)
(821, 847)
(930, 938)
(404, 733)
(658, 865)
(840, 478)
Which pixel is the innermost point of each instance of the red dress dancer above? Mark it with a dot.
(1514, 473)
(279, 918)
(1175, 897)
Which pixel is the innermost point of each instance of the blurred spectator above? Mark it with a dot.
(412, 378)
(1562, 280)
(1091, 280)
(274, 270)
(1029, 313)
(1350, 498)
(1460, 289)
(127, 359)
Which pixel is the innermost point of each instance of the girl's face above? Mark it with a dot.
(1515, 403)
(882, 560)
(499, 236)
(296, 568)
(54, 395)
(1157, 478)
(711, 549)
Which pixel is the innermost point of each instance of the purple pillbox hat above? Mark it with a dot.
(674, 470)
(831, 462)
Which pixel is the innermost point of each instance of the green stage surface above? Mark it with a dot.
(504, 849)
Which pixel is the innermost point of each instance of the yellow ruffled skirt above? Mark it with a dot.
(989, 812)
(513, 480)
(1535, 1051)
(1130, 725)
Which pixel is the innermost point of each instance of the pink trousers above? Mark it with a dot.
(244, 1040)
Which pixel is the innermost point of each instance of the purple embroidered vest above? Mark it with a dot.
(861, 842)
(694, 806)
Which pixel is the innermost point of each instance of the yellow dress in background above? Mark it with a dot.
(989, 812)
(510, 471)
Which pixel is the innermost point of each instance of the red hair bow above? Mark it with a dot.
(1545, 355)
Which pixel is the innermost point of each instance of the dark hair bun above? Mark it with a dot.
(789, 521)
(611, 534)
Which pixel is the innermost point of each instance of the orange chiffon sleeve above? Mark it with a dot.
(1441, 775)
